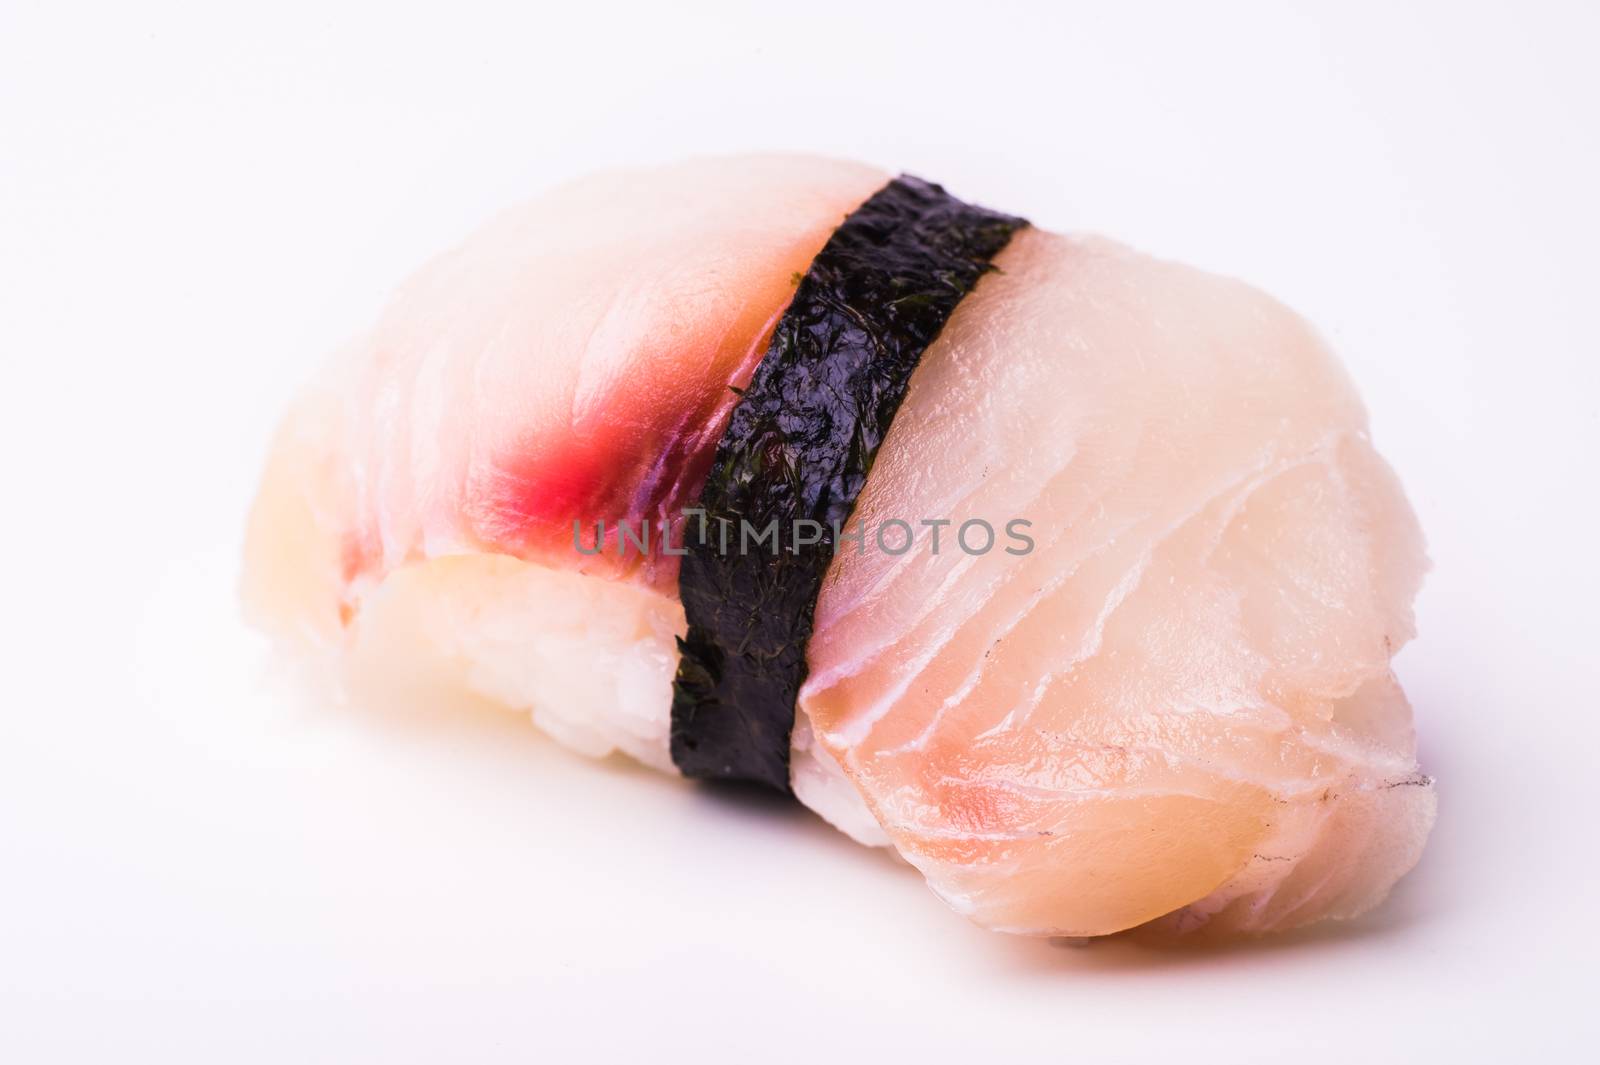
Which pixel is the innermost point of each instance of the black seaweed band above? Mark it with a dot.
(799, 445)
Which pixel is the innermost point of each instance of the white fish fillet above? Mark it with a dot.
(1178, 706)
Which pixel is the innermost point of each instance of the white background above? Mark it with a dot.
(196, 204)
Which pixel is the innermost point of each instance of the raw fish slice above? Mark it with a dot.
(1177, 706)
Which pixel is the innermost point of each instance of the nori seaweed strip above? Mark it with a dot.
(799, 445)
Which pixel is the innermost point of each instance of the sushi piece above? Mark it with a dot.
(1070, 574)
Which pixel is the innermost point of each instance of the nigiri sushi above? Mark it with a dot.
(1069, 574)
